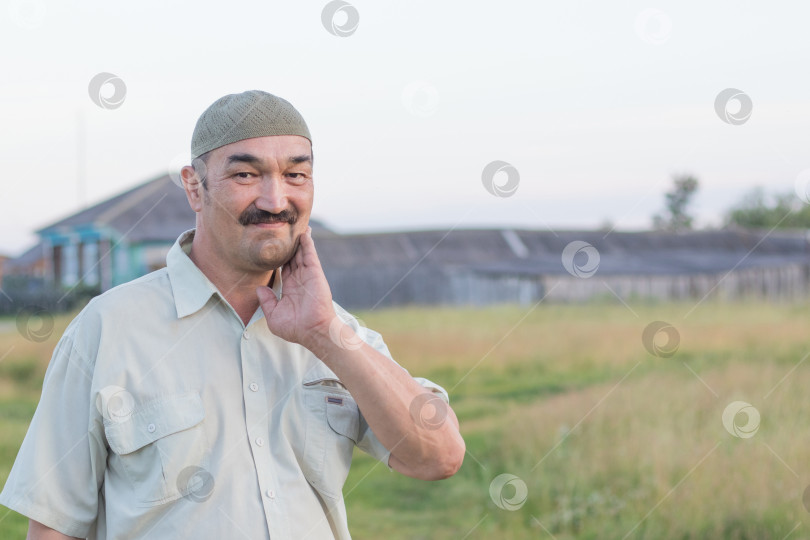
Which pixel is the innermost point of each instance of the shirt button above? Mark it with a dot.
(245, 334)
(259, 441)
(254, 387)
(271, 493)
(150, 428)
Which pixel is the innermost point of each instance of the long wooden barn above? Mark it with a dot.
(480, 267)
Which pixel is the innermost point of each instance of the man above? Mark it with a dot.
(221, 396)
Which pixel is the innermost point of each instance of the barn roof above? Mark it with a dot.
(536, 252)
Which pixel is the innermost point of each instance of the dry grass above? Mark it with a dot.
(640, 447)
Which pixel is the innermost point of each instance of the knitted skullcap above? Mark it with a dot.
(236, 117)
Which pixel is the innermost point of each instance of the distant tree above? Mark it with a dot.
(676, 216)
(757, 210)
(607, 225)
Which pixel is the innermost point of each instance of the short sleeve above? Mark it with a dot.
(368, 442)
(59, 469)
(435, 388)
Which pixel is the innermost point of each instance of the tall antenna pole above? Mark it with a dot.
(81, 172)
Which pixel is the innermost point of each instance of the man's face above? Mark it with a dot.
(257, 202)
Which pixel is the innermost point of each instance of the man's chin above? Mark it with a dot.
(272, 255)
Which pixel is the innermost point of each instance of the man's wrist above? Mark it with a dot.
(317, 341)
(333, 339)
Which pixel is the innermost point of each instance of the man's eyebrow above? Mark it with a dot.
(303, 158)
(242, 158)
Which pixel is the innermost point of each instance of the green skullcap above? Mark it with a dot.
(236, 117)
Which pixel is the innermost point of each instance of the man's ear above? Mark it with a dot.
(192, 184)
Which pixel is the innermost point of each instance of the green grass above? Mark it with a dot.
(14, 418)
(610, 441)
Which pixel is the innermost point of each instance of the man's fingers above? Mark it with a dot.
(302, 249)
(267, 299)
(308, 254)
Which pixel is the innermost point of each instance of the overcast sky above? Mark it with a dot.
(595, 104)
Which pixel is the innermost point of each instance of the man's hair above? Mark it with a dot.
(202, 170)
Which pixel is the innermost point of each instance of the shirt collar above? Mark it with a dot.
(190, 287)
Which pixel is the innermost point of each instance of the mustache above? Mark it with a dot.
(253, 216)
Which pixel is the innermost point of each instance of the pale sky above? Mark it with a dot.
(595, 104)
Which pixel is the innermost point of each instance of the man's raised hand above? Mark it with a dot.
(305, 309)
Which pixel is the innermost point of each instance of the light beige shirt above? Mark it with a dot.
(163, 416)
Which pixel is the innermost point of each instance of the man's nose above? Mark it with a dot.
(273, 196)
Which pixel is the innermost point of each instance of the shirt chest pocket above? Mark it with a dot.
(332, 431)
(162, 450)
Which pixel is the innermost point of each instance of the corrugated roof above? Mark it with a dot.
(440, 247)
(620, 252)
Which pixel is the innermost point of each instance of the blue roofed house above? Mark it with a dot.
(117, 240)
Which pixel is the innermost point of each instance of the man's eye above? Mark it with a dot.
(243, 175)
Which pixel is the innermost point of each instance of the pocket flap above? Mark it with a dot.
(320, 374)
(154, 420)
(343, 415)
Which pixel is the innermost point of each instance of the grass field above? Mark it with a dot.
(609, 440)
